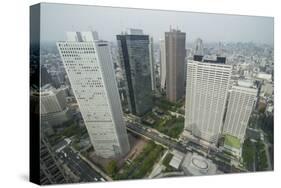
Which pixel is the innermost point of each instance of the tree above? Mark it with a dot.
(248, 153)
(111, 168)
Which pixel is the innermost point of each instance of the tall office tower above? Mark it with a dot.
(134, 58)
(53, 109)
(162, 64)
(206, 93)
(151, 61)
(240, 105)
(198, 47)
(175, 61)
(51, 171)
(89, 66)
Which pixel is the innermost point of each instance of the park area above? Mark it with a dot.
(169, 125)
(142, 164)
(254, 155)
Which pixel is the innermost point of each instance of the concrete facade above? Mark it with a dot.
(206, 94)
(239, 109)
(162, 65)
(89, 66)
(175, 61)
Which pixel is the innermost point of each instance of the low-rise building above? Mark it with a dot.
(176, 160)
(196, 165)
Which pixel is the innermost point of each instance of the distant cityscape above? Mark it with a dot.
(140, 107)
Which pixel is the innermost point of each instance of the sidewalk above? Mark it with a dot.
(158, 167)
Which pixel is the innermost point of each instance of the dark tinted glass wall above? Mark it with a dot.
(134, 58)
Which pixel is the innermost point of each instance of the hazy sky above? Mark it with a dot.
(56, 19)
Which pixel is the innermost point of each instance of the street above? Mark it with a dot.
(78, 166)
(223, 163)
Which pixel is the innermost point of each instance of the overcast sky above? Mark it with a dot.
(57, 19)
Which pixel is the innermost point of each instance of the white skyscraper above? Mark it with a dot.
(162, 64)
(206, 93)
(239, 109)
(89, 66)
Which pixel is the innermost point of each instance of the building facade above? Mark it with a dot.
(53, 108)
(52, 100)
(151, 60)
(240, 105)
(134, 56)
(162, 65)
(198, 47)
(206, 94)
(175, 61)
(89, 66)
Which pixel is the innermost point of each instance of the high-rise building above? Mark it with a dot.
(206, 94)
(198, 47)
(89, 66)
(175, 61)
(240, 105)
(162, 65)
(135, 62)
(53, 109)
(151, 60)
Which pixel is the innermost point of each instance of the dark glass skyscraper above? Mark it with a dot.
(134, 59)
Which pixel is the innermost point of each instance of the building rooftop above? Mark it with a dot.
(176, 160)
(197, 165)
(264, 76)
(134, 31)
(232, 141)
(245, 83)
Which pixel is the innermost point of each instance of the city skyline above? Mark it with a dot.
(146, 106)
(207, 26)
